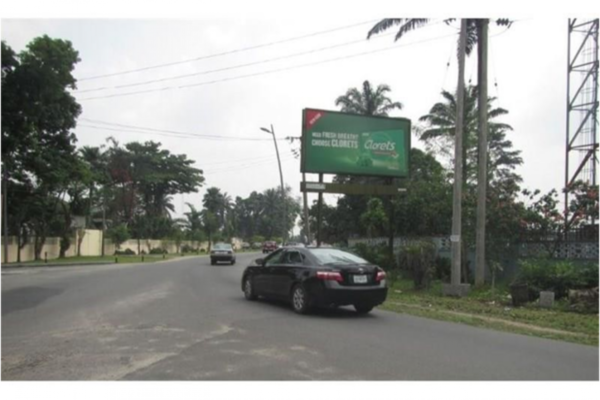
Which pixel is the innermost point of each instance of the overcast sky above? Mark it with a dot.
(528, 62)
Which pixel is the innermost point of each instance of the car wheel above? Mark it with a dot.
(212, 262)
(300, 302)
(363, 308)
(233, 261)
(249, 290)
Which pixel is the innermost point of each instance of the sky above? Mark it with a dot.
(527, 74)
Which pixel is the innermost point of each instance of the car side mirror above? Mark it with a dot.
(259, 261)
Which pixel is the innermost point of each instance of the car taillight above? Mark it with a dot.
(380, 276)
(329, 276)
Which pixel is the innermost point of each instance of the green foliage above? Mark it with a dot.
(158, 250)
(186, 248)
(418, 261)
(118, 234)
(368, 101)
(126, 252)
(442, 268)
(374, 218)
(257, 239)
(376, 254)
(557, 275)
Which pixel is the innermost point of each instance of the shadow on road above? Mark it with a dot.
(27, 297)
(316, 312)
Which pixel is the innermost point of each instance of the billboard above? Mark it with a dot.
(340, 143)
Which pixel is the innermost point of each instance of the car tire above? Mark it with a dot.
(363, 308)
(233, 262)
(212, 262)
(249, 290)
(299, 299)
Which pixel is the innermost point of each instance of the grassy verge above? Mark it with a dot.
(495, 311)
(97, 259)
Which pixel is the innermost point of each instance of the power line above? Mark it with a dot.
(226, 52)
(188, 136)
(165, 132)
(269, 71)
(175, 77)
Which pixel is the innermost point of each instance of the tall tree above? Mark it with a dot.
(368, 101)
(38, 115)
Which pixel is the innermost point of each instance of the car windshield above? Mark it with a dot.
(335, 256)
(222, 246)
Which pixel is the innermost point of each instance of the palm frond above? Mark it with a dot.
(384, 25)
(410, 25)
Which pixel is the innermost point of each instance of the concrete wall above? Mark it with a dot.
(91, 245)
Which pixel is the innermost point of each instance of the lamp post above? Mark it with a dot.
(272, 132)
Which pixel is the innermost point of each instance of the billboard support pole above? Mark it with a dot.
(319, 206)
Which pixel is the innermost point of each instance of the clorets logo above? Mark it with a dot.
(381, 146)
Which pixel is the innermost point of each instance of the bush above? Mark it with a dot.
(442, 268)
(377, 255)
(158, 250)
(126, 252)
(557, 275)
(186, 248)
(417, 261)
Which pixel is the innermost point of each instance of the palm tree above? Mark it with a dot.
(477, 33)
(440, 126)
(368, 101)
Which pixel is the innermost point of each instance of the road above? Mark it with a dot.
(187, 320)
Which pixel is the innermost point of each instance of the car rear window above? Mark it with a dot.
(222, 246)
(335, 256)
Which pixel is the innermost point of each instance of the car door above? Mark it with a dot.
(273, 260)
(283, 275)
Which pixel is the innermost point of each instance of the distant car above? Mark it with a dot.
(269, 246)
(312, 277)
(222, 252)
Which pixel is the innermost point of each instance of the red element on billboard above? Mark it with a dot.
(312, 116)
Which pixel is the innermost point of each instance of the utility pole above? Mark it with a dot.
(456, 238)
(306, 220)
(272, 132)
(482, 82)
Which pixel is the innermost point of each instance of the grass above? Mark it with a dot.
(495, 311)
(95, 259)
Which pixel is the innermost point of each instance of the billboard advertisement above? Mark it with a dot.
(340, 143)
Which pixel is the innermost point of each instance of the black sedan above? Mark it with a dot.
(316, 277)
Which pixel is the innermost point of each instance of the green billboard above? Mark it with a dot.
(339, 143)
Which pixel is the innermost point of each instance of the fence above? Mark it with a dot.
(91, 245)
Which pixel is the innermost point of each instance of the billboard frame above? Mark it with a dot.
(304, 137)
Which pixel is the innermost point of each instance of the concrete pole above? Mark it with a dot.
(482, 178)
(5, 213)
(458, 154)
(282, 188)
(306, 220)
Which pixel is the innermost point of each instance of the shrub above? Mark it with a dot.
(158, 250)
(557, 275)
(442, 268)
(186, 248)
(418, 261)
(126, 252)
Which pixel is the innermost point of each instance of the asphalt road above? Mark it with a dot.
(187, 320)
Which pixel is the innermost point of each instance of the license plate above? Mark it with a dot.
(360, 279)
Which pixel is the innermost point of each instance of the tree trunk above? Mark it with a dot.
(482, 28)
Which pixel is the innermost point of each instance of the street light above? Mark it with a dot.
(272, 132)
